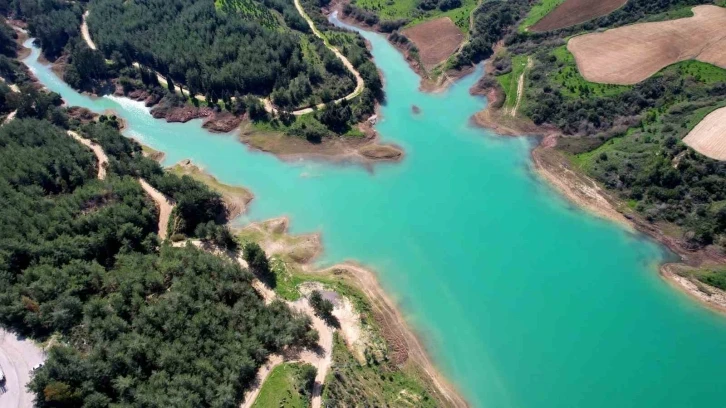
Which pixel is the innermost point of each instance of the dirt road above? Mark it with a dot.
(164, 204)
(520, 87)
(97, 150)
(87, 34)
(17, 358)
(359, 84)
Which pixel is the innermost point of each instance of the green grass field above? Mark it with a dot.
(510, 81)
(381, 384)
(700, 71)
(393, 10)
(280, 389)
(538, 11)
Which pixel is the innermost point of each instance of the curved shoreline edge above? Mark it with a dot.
(432, 376)
(367, 281)
(587, 194)
(366, 151)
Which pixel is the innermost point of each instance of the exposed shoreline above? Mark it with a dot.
(366, 151)
(708, 296)
(405, 343)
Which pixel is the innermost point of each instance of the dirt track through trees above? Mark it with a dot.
(165, 206)
(269, 107)
(97, 150)
(630, 54)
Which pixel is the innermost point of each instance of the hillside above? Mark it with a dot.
(628, 138)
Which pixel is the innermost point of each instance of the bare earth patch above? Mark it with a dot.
(364, 150)
(709, 136)
(573, 12)
(436, 40)
(630, 54)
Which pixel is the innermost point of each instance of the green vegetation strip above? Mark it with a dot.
(538, 11)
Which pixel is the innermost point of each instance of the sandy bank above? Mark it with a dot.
(709, 296)
(405, 344)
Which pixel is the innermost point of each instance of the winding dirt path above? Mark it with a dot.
(10, 117)
(269, 107)
(394, 322)
(97, 150)
(165, 205)
(359, 84)
(87, 34)
(321, 359)
(520, 87)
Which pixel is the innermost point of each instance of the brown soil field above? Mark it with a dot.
(709, 136)
(436, 40)
(630, 54)
(573, 12)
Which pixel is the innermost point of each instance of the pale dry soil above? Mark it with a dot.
(630, 54)
(676, 275)
(709, 136)
(163, 203)
(436, 40)
(18, 356)
(573, 12)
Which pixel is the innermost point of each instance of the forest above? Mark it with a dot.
(136, 322)
(220, 52)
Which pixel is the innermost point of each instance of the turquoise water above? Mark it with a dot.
(523, 300)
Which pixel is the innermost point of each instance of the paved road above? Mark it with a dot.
(17, 358)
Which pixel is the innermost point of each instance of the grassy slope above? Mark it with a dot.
(379, 384)
(392, 10)
(196, 173)
(572, 84)
(350, 383)
(538, 11)
(280, 389)
(510, 81)
(643, 146)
